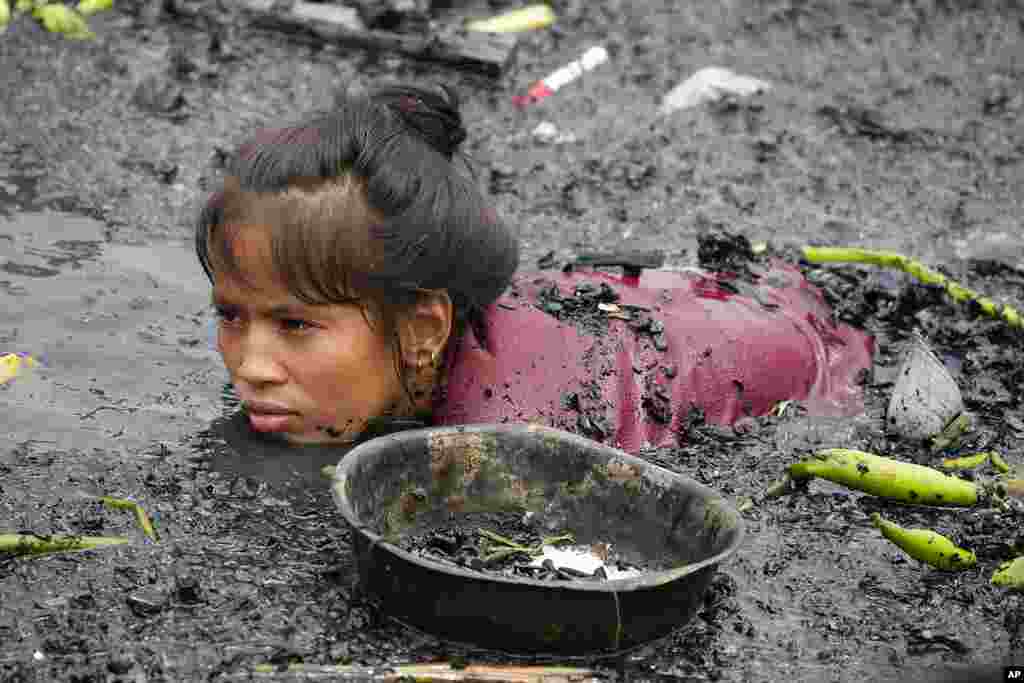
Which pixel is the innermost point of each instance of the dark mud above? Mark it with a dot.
(890, 125)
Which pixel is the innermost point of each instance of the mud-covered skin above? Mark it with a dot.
(250, 569)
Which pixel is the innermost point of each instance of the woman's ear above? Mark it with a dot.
(426, 327)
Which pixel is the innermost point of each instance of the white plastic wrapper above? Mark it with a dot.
(926, 397)
(710, 84)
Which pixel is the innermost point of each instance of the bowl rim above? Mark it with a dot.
(646, 580)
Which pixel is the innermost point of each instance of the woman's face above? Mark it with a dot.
(311, 374)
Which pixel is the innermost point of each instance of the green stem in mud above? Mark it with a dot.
(501, 540)
(510, 547)
(999, 464)
(140, 515)
(921, 272)
(30, 544)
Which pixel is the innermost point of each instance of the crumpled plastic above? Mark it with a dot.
(710, 84)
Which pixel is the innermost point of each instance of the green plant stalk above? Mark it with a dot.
(951, 433)
(999, 464)
(140, 515)
(887, 478)
(916, 269)
(30, 544)
(1010, 575)
(89, 7)
(926, 546)
(510, 547)
(501, 540)
(779, 488)
(966, 462)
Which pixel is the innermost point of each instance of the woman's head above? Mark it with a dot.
(345, 252)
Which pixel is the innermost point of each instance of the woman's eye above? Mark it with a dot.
(226, 315)
(296, 325)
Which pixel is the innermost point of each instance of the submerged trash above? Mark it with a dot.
(524, 19)
(905, 482)
(710, 84)
(5, 15)
(926, 546)
(1010, 575)
(12, 364)
(926, 398)
(549, 85)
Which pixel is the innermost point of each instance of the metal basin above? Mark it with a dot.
(655, 518)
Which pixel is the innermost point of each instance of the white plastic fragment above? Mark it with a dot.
(583, 559)
(926, 397)
(547, 133)
(710, 84)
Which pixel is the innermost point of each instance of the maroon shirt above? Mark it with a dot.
(737, 349)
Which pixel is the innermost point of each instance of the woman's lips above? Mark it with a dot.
(268, 417)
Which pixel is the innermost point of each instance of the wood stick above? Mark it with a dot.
(487, 53)
(632, 261)
(473, 673)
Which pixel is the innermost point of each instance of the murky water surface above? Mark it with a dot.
(97, 278)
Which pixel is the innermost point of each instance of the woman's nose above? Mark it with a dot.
(258, 361)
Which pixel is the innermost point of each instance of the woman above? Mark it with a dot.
(359, 274)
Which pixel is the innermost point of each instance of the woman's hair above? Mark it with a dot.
(367, 201)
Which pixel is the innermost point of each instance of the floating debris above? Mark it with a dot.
(37, 544)
(926, 398)
(549, 85)
(140, 514)
(926, 546)
(966, 462)
(710, 84)
(89, 7)
(1010, 575)
(13, 364)
(524, 19)
(905, 482)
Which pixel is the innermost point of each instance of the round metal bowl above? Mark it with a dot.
(600, 494)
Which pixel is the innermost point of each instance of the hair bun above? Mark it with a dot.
(432, 112)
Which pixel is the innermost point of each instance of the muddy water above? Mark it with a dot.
(252, 565)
